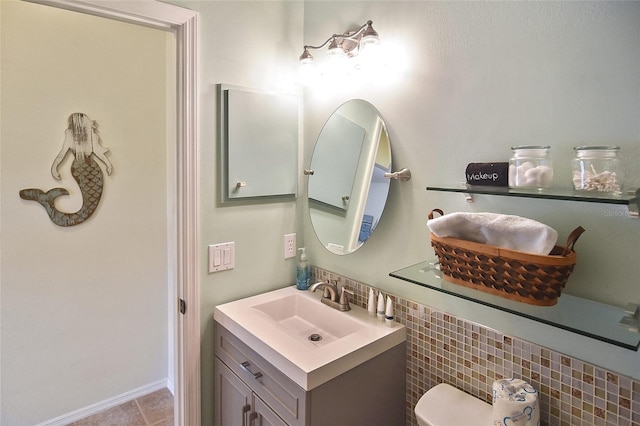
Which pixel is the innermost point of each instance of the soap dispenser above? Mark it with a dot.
(303, 271)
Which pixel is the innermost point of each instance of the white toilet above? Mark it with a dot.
(444, 405)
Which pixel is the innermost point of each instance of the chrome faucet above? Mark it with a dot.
(330, 290)
(330, 295)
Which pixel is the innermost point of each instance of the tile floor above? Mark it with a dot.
(153, 409)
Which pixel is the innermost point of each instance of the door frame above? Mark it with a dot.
(184, 24)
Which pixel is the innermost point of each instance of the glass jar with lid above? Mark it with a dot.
(597, 168)
(530, 166)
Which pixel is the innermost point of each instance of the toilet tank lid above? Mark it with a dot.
(444, 405)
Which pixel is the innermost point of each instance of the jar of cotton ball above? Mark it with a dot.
(597, 168)
(530, 167)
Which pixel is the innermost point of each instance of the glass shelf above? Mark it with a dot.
(588, 318)
(630, 198)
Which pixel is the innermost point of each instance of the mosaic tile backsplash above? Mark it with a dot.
(442, 348)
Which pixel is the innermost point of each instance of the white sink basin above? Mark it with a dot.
(306, 319)
(278, 325)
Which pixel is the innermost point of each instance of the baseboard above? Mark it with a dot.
(106, 404)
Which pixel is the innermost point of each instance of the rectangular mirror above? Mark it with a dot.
(258, 145)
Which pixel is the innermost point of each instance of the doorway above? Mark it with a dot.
(182, 235)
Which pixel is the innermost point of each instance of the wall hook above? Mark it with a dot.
(403, 175)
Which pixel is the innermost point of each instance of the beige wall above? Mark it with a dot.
(84, 309)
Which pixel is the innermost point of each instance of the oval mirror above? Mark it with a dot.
(347, 190)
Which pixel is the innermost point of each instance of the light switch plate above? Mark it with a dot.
(222, 256)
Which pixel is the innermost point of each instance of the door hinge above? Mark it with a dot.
(182, 306)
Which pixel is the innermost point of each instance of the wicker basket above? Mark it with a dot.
(515, 275)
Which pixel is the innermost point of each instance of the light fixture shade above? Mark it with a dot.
(369, 36)
(335, 49)
(306, 57)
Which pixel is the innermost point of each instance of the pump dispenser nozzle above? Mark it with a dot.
(303, 271)
(303, 255)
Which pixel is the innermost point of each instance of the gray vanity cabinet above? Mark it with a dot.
(251, 391)
(261, 379)
(236, 404)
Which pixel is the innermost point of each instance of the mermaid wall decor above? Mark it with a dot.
(81, 138)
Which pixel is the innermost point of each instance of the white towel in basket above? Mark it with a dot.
(506, 231)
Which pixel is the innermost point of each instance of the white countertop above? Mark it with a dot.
(303, 362)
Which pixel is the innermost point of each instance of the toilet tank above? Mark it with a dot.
(444, 405)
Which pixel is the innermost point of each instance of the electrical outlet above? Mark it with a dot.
(289, 246)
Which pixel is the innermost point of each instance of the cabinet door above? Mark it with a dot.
(264, 416)
(278, 391)
(232, 398)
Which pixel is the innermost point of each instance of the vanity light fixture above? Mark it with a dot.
(348, 44)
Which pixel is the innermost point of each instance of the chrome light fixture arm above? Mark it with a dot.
(337, 40)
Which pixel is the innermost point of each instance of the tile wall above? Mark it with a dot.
(442, 348)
